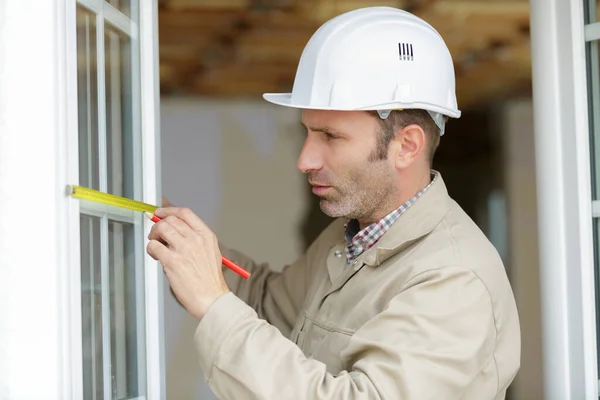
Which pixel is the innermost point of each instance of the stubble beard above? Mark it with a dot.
(362, 194)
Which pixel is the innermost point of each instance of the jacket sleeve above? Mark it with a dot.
(276, 297)
(431, 340)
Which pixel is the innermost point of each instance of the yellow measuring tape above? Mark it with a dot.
(83, 193)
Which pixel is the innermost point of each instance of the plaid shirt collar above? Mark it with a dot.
(361, 240)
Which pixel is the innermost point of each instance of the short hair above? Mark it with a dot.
(399, 119)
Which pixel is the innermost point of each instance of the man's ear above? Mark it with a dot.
(408, 145)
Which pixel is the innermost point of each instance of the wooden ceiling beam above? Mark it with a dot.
(323, 10)
(513, 8)
(495, 77)
(264, 46)
(197, 20)
(233, 48)
(278, 20)
(206, 4)
(246, 80)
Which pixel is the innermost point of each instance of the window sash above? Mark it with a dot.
(145, 151)
(592, 32)
(112, 15)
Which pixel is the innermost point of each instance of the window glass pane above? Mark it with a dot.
(593, 72)
(91, 307)
(122, 5)
(119, 113)
(126, 313)
(592, 11)
(87, 99)
(596, 232)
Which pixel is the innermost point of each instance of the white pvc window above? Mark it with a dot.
(112, 272)
(81, 302)
(565, 169)
(113, 281)
(592, 39)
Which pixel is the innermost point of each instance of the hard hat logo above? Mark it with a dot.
(406, 51)
(351, 63)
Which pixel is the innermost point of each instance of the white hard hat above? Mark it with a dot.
(375, 58)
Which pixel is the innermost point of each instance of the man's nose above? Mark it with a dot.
(310, 157)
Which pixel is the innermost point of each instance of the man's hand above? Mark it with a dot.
(192, 260)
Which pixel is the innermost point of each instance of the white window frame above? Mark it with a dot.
(40, 297)
(564, 199)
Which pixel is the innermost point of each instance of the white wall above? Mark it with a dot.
(234, 164)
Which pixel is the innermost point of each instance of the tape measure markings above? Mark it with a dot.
(83, 193)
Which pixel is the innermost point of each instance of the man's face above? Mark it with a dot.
(339, 157)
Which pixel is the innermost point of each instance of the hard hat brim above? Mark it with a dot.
(281, 99)
(285, 99)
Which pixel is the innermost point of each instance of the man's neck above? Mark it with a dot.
(411, 185)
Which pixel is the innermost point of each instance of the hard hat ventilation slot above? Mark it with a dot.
(406, 51)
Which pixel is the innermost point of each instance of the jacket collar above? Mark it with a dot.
(419, 220)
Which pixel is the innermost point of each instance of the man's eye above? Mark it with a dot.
(329, 136)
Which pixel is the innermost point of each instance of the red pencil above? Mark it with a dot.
(227, 262)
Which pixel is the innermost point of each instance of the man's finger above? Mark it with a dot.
(185, 214)
(157, 251)
(165, 232)
(184, 229)
(179, 225)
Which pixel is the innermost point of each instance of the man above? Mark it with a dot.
(401, 297)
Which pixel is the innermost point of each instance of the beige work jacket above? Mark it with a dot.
(426, 313)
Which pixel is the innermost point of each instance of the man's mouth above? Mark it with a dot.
(319, 188)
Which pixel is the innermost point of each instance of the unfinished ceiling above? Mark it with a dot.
(243, 48)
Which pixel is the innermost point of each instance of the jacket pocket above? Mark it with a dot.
(326, 345)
